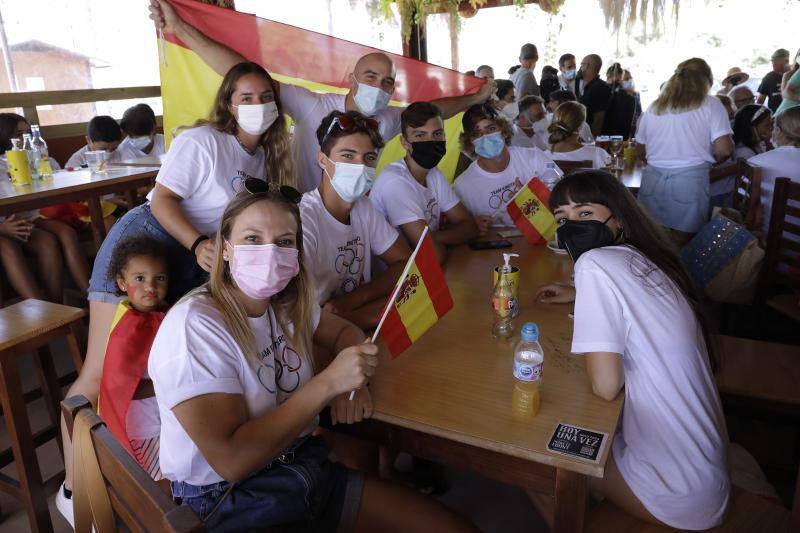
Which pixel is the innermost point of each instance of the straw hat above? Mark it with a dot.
(733, 72)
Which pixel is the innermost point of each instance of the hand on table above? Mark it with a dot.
(345, 411)
(16, 228)
(205, 254)
(555, 293)
(483, 222)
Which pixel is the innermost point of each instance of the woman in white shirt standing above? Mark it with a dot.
(235, 381)
(244, 137)
(565, 142)
(499, 169)
(637, 321)
(683, 133)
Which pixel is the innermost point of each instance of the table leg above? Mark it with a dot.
(570, 501)
(98, 225)
(51, 390)
(32, 490)
(131, 198)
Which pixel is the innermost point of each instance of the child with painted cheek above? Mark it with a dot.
(127, 400)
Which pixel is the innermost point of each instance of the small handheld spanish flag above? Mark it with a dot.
(530, 212)
(420, 298)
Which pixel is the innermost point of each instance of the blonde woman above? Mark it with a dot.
(245, 136)
(683, 133)
(239, 397)
(564, 140)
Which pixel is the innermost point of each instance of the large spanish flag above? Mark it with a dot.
(127, 351)
(292, 55)
(418, 302)
(530, 212)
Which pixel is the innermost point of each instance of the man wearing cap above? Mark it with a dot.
(770, 88)
(734, 77)
(523, 79)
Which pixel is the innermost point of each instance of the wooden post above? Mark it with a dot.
(417, 45)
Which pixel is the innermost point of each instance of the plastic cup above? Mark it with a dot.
(96, 160)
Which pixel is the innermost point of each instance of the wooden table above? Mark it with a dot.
(632, 176)
(76, 186)
(146, 161)
(450, 397)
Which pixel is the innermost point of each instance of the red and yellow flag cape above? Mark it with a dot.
(127, 351)
(292, 55)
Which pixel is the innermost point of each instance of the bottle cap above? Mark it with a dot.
(530, 332)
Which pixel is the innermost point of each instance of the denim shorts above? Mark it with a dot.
(677, 198)
(300, 491)
(185, 273)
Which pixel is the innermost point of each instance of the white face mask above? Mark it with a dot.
(351, 181)
(140, 143)
(255, 119)
(510, 111)
(371, 100)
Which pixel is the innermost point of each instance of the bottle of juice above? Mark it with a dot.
(503, 302)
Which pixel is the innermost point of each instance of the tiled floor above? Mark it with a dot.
(494, 507)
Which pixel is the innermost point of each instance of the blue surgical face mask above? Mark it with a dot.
(490, 146)
(371, 100)
(569, 75)
(627, 84)
(351, 181)
(140, 143)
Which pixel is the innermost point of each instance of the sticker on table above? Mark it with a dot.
(577, 442)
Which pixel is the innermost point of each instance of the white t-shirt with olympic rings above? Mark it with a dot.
(194, 354)
(488, 193)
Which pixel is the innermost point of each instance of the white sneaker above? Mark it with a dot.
(64, 506)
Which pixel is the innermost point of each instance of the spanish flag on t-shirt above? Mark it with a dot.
(318, 62)
(127, 351)
(421, 299)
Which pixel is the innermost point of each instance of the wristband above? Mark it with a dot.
(197, 242)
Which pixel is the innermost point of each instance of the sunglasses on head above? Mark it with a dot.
(757, 114)
(347, 123)
(257, 186)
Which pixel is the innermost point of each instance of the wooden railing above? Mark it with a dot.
(29, 100)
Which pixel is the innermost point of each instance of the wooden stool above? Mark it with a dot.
(28, 327)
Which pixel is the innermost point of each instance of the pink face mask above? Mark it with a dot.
(263, 270)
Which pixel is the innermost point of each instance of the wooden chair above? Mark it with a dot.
(746, 192)
(136, 500)
(28, 327)
(569, 167)
(781, 268)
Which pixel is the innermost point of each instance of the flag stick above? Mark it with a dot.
(396, 290)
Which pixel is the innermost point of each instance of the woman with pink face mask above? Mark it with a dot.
(239, 391)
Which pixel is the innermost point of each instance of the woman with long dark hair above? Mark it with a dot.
(245, 136)
(639, 324)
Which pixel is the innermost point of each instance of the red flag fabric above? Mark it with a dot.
(127, 352)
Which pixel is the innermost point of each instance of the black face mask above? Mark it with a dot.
(580, 236)
(427, 154)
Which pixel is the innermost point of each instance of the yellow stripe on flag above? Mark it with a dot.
(417, 312)
(541, 218)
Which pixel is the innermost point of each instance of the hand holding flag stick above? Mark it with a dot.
(420, 298)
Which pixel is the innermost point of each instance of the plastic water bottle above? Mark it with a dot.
(551, 176)
(33, 155)
(503, 302)
(39, 144)
(528, 365)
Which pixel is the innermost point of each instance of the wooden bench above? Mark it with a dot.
(28, 327)
(136, 500)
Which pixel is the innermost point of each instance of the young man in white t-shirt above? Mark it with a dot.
(532, 115)
(413, 193)
(372, 85)
(342, 231)
(499, 170)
